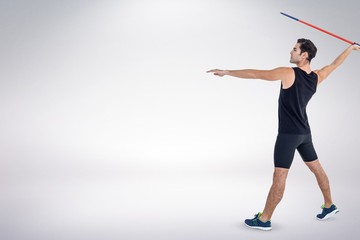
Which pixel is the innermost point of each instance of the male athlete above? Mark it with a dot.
(298, 85)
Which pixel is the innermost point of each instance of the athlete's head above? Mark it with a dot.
(304, 49)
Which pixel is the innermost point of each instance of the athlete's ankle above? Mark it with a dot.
(264, 218)
(328, 204)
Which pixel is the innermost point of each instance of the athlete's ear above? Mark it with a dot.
(305, 55)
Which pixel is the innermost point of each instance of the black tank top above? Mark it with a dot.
(293, 101)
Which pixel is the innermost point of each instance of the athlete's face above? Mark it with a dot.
(296, 56)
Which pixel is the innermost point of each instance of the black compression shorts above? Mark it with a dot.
(285, 149)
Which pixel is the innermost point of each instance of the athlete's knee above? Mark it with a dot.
(280, 175)
(279, 182)
(281, 172)
(314, 166)
(312, 163)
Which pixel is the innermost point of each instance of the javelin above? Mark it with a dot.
(320, 29)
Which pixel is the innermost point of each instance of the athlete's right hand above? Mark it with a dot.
(218, 72)
(356, 47)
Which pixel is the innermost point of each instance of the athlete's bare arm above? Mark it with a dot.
(285, 74)
(324, 72)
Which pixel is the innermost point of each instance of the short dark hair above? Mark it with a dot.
(307, 46)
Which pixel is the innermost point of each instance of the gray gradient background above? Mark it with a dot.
(111, 129)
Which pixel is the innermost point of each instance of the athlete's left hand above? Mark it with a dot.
(218, 72)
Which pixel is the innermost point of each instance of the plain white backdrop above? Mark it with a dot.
(110, 128)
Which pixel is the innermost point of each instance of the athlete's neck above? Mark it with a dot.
(305, 66)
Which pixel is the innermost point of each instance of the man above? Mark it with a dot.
(298, 85)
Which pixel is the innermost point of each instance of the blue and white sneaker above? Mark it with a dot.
(327, 212)
(256, 223)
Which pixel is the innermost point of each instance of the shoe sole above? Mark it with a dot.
(259, 228)
(328, 215)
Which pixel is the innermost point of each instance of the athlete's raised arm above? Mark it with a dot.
(324, 72)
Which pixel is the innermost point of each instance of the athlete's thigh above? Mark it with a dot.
(284, 150)
(306, 149)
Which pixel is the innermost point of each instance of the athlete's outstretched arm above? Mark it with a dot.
(325, 71)
(281, 73)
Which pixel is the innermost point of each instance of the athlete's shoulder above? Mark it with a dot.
(284, 68)
(284, 71)
(287, 76)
